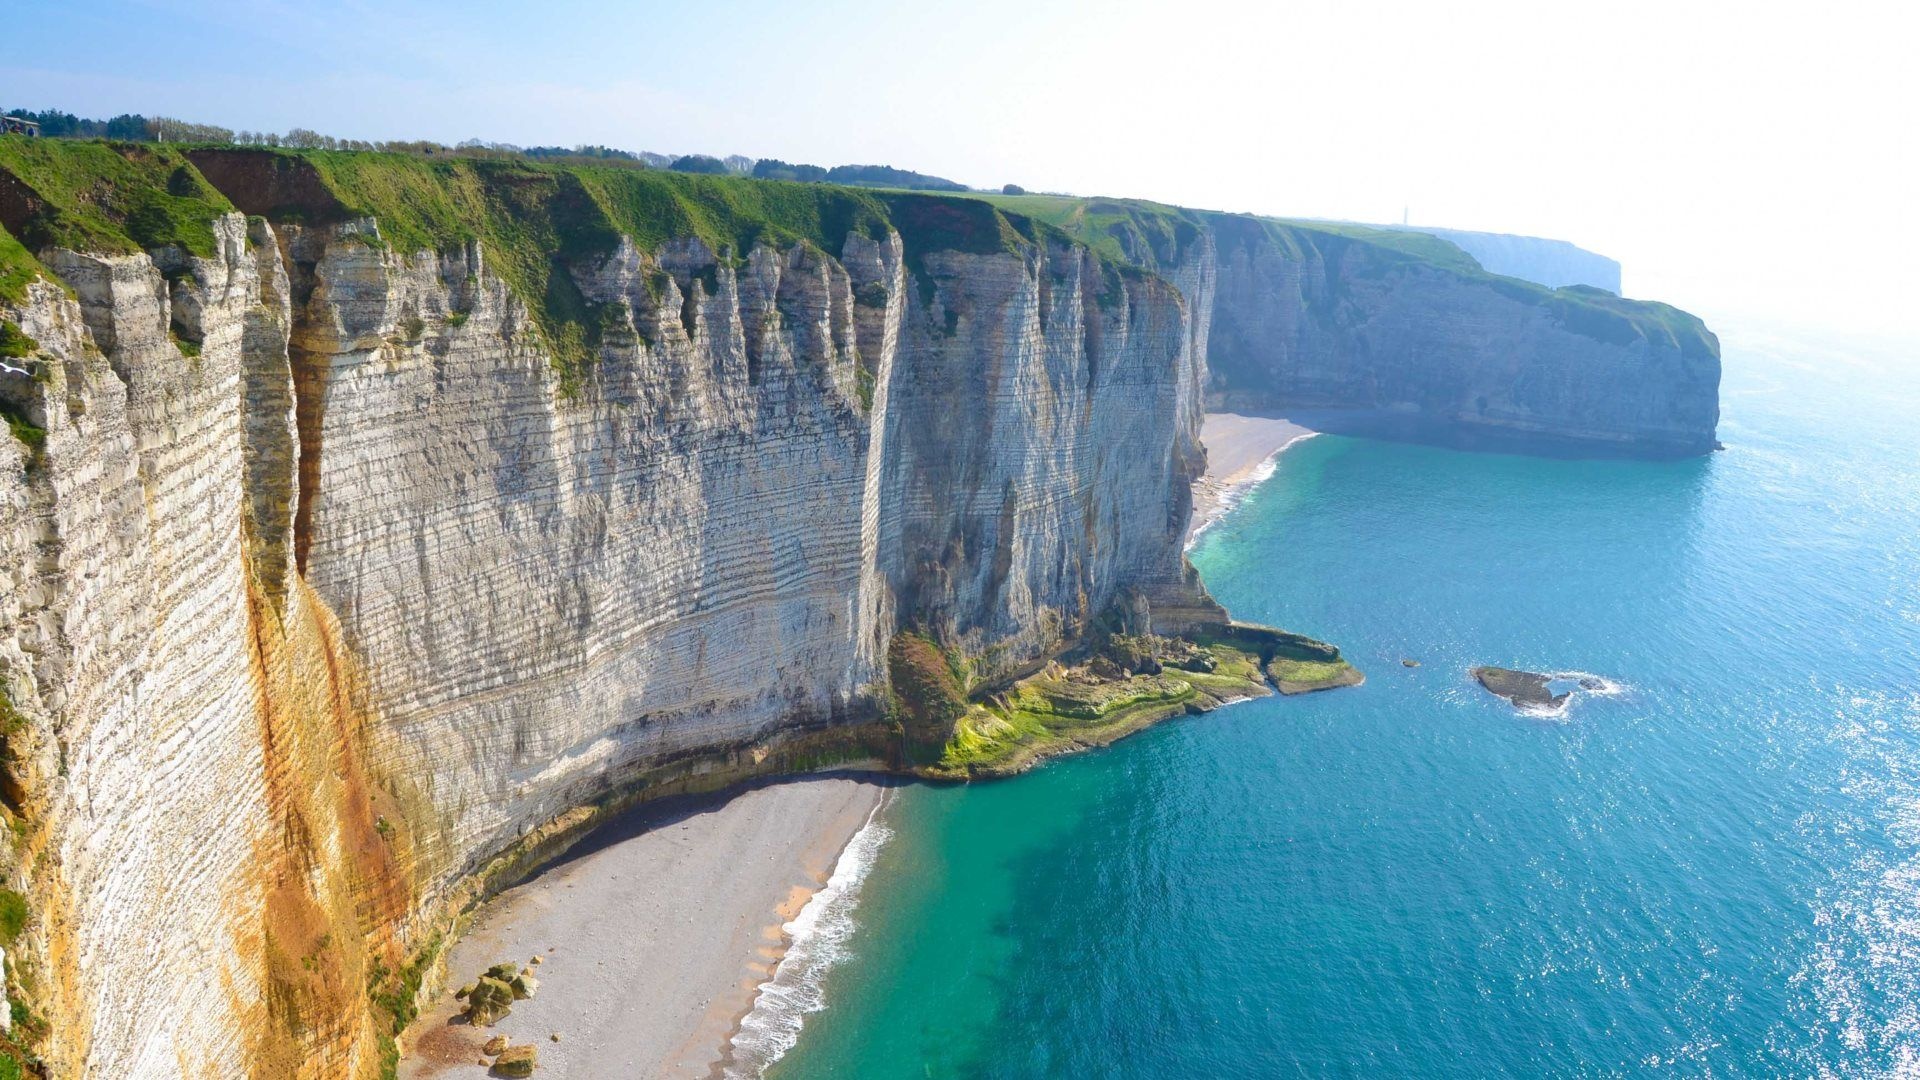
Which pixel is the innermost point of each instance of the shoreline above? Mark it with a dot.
(665, 976)
(813, 937)
(652, 978)
(1241, 452)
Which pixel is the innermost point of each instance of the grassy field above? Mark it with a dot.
(110, 197)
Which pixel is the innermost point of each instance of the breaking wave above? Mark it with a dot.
(1585, 684)
(818, 936)
(1233, 494)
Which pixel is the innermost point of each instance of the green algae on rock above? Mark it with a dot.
(516, 1061)
(489, 1001)
(1132, 681)
(1306, 676)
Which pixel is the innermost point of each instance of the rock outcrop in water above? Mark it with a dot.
(374, 525)
(1525, 689)
(1532, 690)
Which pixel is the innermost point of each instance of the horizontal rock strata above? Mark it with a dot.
(370, 526)
(329, 585)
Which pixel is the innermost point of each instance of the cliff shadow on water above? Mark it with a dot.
(1402, 426)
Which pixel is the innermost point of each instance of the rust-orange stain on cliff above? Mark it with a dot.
(335, 879)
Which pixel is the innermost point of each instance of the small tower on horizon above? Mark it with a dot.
(1404, 212)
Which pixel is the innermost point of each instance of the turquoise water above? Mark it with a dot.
(1715, 871)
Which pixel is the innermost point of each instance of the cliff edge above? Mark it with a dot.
(1403, 334)
(371, 525)
(1553, 263)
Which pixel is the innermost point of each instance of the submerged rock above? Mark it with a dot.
(495, 1046)
(1526, 689)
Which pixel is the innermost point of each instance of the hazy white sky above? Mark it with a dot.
(1735, 157)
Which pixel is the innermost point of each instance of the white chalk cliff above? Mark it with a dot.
(311, 625)
(329, 597)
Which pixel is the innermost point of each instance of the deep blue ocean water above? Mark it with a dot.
(1715, 871)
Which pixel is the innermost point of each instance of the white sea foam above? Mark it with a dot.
(1606, 687)
(1586, 684)
(818, 937)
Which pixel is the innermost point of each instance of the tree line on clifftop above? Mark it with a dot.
(133, 127)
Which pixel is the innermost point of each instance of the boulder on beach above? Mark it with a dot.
(489, 1003)
(516, 1061)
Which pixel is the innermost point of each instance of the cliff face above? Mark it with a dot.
(189, 812)
(352, 550)
(715, 538)
(328, 584)
(189, 803)
(1552, 263)
(1308, 320)
(1403, 334)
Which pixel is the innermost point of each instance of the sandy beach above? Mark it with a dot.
(653, 935)
(1240, 450)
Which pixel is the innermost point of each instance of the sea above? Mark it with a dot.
(1707, 863)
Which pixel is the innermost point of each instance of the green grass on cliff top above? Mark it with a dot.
(18, 268)
(533, 218)
(577, 210)
(1154, 235)
(104, 197)
(530, 217)
(1134, 231)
